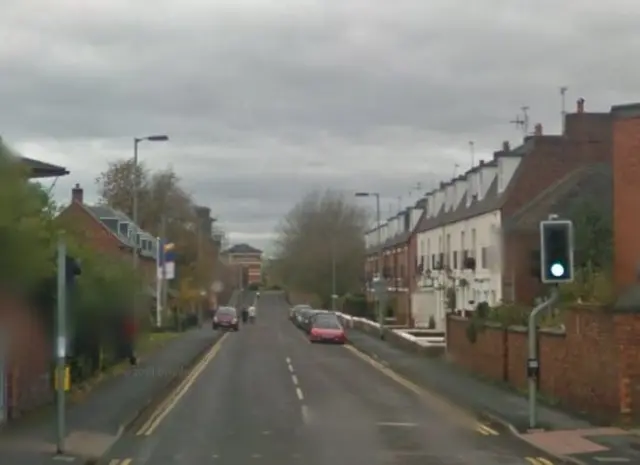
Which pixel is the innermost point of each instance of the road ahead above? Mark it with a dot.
(267, 396)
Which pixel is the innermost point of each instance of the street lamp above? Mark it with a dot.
(134, 226)
(136, 141)
(379, 241)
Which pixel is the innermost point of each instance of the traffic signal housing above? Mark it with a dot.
(556, 251)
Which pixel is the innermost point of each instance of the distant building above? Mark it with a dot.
(246, 263)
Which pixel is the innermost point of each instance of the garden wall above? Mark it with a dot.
(591, 366)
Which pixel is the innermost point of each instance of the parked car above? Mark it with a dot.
(226, 318)
(301, 315)
(326, 327)
(295, 309)
(308, 318)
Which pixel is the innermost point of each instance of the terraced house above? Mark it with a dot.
(393, 258)
(474, 241)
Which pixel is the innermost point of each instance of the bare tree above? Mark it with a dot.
(159, 196)
(322, 227)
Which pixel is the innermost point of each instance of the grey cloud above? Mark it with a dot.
(265, 102)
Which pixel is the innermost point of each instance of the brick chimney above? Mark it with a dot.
(77, 194)
(626, 192)
(580, 105)
(505, 146)
(537, 130)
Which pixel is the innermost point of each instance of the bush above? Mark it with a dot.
(253, 287)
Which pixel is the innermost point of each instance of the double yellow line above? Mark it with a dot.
(485, 430)
(172, 400)
(453, 411)
(538, 461)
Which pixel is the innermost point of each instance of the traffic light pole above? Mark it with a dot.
(61, 345)
(533, 364)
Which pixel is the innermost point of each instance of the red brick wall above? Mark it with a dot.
(594, 366)
(626, 192)
(486, 356)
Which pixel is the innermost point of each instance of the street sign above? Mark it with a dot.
(170, 270)
(217, 287)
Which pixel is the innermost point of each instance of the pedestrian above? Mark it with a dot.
(130, 331)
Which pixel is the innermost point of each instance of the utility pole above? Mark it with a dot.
(563, 113)
(164, 285)
(333, 273)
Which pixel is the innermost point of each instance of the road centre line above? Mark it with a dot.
(299, 393)
(295, 379)
(172, 400)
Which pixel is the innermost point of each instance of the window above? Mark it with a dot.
(485, 258)
(123, 229)
(474, 245)
(455, 260)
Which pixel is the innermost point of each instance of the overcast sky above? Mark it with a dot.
(266, 100)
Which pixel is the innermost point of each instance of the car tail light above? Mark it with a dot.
(314, 332)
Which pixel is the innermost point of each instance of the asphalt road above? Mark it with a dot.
(267, 396)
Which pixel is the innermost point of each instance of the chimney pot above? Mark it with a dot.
(77, 194)
(538, 129)
(580, 105)
(481, 162)
(505, 146)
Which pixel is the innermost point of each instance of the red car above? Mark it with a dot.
(227, 318)
(325, 327)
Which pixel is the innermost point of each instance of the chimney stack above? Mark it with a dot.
(505, 146)
(580, 105)
(481, 162)
(537, 130)
(77, 194)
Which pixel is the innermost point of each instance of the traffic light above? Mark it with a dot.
(556, 256)
(72, 269)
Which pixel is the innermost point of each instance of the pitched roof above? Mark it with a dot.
(242, 249)
(102, 213)
(592, 184)
(492, 200)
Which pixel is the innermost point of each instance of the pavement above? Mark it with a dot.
(266, 395)
(560, 434)
(96, 422)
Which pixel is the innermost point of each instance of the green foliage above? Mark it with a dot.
(98, 299)
(358, 306)
(25, 228)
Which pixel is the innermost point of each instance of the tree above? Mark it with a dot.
(160, 196)
(25, 227)
(322, 227)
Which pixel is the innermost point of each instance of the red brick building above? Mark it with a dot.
(245, 263)
(110, 231)
(395, 260)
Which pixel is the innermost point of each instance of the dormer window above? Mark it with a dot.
(123, 229)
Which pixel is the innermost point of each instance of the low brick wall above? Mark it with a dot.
(592, 366)
(395, 339)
